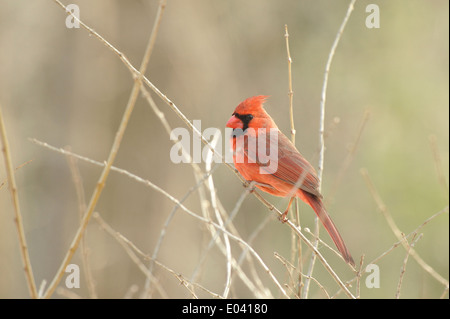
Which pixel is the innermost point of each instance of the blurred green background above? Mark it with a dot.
(63, 87)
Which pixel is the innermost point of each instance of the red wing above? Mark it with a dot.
(292, 166)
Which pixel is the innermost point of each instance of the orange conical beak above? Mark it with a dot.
(234, 122)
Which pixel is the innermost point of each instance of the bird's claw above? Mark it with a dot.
(250, 185)
(283, 218)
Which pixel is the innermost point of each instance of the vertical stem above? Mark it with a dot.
(291, 92)
(295, 242)
(112, 155)
(17, 215)
(322, 133)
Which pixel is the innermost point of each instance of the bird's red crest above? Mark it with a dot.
(252, 104)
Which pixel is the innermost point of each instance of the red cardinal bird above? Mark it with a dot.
(292, 177)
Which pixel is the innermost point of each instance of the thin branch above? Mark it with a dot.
(358, 277)
(17, 168)
(338, 254)
(398, 243)
(42, 288)
(112, 155)
(101, 39)
(79, 189)
(402, 272)
(187, 158)
(258, 292)
(244, 254)
(17, 214)
(403, 269)
(125, 243)
(121, 238)
(296, 247)
(390, 220)
(212, 191)
(289, 269)
(324, 88)
(291, 92)
(292, 267)
(322, 131)
(166, 225)
(321, 287)
(322, 260)
(414, 233)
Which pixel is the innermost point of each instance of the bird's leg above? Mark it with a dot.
(251, 185)
(283, 218)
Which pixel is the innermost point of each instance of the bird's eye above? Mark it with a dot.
(249, 117)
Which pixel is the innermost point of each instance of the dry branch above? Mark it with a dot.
(113, 152)
(322, 132)
(17, 214)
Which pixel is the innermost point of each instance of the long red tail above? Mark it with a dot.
(318, 207)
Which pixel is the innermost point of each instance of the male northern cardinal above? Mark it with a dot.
(293, 175)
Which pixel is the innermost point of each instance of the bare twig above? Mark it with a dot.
(307, 230)
(323, 261)
(322, 131)
(291, 92)
(413, 233)
(402, 272)
(167, 222)
(125, 243)
(290, 268)
(112, 155)
(296, 247)
(390, 220)
(244, 253)
(42, 288)
(321, 287)
(183, 281)
(17, 214)
(79, 189)
(398, 243)
(212, 191)
(325, 85)
(18, 167)
(261, 289)
(358, 277)
(186, 157)
(259, 292)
